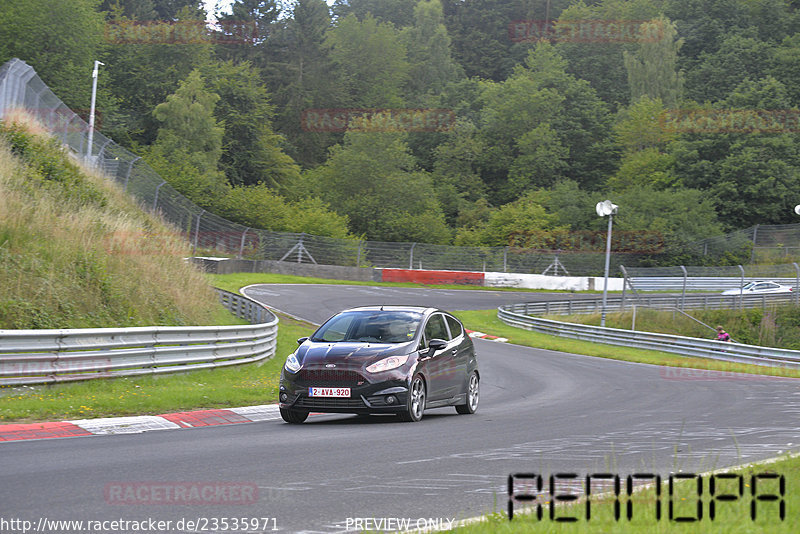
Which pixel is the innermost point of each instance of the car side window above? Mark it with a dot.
(455, 327)
(435, 329)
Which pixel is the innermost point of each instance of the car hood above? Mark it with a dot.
(350, 355)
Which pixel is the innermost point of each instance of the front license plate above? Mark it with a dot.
(329, 392)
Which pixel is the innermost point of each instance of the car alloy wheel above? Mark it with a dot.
(293, 416)
(473, 395)
(415, 405)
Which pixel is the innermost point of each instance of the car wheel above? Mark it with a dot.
(473, 395)
(415, 405)
(293, 416)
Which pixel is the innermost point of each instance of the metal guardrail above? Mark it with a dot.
(50, 356)
(694, 302)
(517, 315)
(697, 283)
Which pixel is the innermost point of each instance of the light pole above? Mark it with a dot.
(606, 208)
(91, 111)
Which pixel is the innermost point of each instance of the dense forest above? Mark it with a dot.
(549, 110)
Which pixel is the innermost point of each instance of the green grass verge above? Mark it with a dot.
(233, 282)
(731, 517)
(486, 321)
(214, 388)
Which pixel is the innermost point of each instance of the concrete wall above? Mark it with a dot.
(540, 281)
(335, 272)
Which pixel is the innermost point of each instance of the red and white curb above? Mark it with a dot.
(138, 423)
(481, 335)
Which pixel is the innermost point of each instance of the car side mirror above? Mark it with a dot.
(301, 340)
(436, 344)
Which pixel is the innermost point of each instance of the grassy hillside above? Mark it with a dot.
(77, 252)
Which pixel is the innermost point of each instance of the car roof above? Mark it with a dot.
(394, 308)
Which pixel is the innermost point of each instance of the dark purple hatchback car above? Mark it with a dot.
(382, 359)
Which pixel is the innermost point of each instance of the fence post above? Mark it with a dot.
(196, 232)
(741, 287)
(130, 167)
(505, 259)
(358, 254)
(683, 294)
(797, 284)
(155, 199)
(753, 250)
(241, 243)
(411, 256)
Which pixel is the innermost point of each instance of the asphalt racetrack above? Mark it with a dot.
(541, 412)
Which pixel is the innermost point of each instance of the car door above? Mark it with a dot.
(463, 353)
(437, 365)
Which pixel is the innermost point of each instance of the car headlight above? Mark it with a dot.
(292, 365)
(392, 362)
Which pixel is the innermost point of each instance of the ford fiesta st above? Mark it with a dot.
(382, 359)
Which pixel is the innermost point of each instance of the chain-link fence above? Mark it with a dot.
(21, 88)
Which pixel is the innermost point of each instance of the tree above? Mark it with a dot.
(251, 150)
(752, 174)
(542, 92)
(189, 142)
(717, 73)
(523, 215)
(400, 13)
(372, 179)
(258, 206)
(371, 61)
(601, 63)
(60, 40)
(678, 216)
(304, 78)
(652, 69)
(428, 45)
(142, 75)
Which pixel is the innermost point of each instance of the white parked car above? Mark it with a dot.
(759, 287)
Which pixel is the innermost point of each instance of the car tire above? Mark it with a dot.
(415, 404)
(293, 416)
(473, 395)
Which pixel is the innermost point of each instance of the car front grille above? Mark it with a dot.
(320, 403)
(330, 378)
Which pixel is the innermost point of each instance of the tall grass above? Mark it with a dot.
(77, 252)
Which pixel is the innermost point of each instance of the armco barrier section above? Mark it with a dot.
(516, 315)
(49, 356)
(658, 302)
(433, 277)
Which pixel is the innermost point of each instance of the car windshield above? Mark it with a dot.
(749, 285)
(370, 326)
